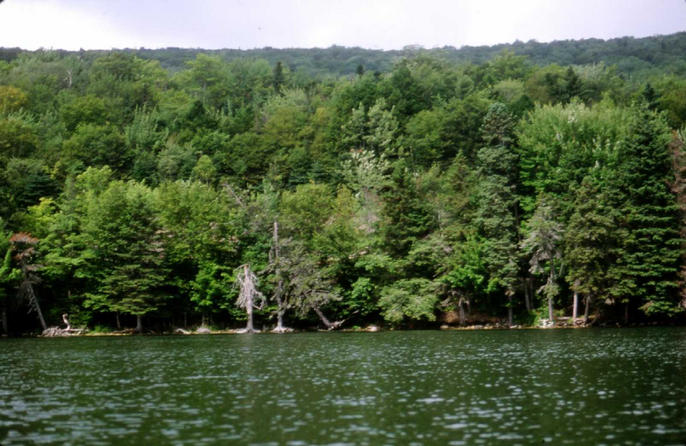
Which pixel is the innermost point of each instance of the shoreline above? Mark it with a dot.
(367, 329)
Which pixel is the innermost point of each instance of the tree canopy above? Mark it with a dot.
(345, 186)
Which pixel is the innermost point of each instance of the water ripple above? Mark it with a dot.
(491, 387)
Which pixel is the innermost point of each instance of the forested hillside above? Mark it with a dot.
(512, 183)
(633, 57)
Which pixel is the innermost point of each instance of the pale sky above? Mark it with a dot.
(382, 24)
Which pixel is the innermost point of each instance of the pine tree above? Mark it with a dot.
(125, 254)
(589, 238)
(573, 85)
(407, 218)
(543, 245)
(497, 202)
(647, 268)
(278, 77)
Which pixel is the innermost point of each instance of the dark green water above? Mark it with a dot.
(484, 387)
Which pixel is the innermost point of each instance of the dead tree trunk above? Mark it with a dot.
(66, 322)
(575, 307)
(249, 328)
(27, 289)
(587, 308)
(279, 313)
(279, 290)
(247, 282)
(509, 309)
(327, 323)
(460, 311)
(551, 282)
(139, 323)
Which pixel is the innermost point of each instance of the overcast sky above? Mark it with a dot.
(385, 24)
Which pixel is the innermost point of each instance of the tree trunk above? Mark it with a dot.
(327, 323)
(249, 328)
(460, 310)
(117, 321)
(139, 323)
(551, 280)
(509, 309)
(575, 307)
(588, 305)
(279, 320)
(278, 292)
(281, 309)
(33, 300)
(249, 305)
(66, 322)
(626, 313)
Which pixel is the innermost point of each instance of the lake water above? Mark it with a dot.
(592, 386)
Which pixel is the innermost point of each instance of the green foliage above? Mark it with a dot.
(497, 204)
(650, 251)
(9, 273)
(124, 251)
(543, 247)
(306, 209)
(406, 217)
(97, 145)
(18, 136)
(409, 299)
(559, 145)
(211, 289)
(77, 110)
(401, 182)
(590, 239)
(12, 99)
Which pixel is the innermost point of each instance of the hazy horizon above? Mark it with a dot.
(380, 25)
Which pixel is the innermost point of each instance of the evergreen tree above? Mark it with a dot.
(573, 85)
(650, 96)
(589, 240)
(278, 77)
(125, 251)
(497, 205)
(646, 271)
(543, 245)
(407, 217)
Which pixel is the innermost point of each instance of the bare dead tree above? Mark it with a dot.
(249, 297)
(308, 287)
(279, 291)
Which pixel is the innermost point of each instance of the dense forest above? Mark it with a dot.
(516, 184)
(632, 57)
